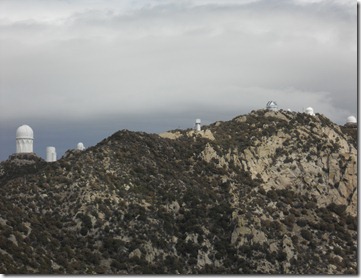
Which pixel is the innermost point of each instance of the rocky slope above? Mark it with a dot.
(267, 192)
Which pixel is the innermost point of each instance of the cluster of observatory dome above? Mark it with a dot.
(25, 134)
(25, 141)
(272, 106)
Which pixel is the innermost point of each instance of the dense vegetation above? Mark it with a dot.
(139, 203)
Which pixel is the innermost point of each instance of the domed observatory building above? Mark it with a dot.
(198, 125)
(351, 121)
(309, 111)
(80, 146)
(272, 106)
(24, 139)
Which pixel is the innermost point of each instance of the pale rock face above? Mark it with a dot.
(201, 133)
(276, 114)
(192, 237)
(173, 207)
(260, 158)
(288, 247)
(135, 253)
(240, 231)
(241, 119)
(258, 236)
(265, 267)
(207, 134)
(150, 252)
(209, 153)
(171, 135)
(337, 184)
(301, 171)
(12, 238)
(202, 259)
(273, 247)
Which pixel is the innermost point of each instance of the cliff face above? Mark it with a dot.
(267, 192)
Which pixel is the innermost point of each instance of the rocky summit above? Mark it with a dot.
(270, 192)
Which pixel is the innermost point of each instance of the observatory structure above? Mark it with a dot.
(50, 154)
(272, 106)
(24, 139)
(351, 121)
(198, 125)
(309, 111)
(80, 146)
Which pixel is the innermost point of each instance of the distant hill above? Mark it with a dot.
(267, 193)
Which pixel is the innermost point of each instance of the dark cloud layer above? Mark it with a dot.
(80, 70)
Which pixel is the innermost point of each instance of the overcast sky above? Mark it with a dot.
(79, 70)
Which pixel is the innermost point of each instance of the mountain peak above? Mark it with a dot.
(267, 192)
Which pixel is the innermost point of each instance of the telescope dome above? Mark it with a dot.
(309, 111)
(80, 146)
(351, 120)
(24, 132)
(272, 105)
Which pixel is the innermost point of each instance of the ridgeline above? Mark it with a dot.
(264, 193)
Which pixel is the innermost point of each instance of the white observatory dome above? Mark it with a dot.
(198, 121)
(80, 146)
(24, 139)
(351, 120)
(309, 111)
(24, 132)
(272, 105)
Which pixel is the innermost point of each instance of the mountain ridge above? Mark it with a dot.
(267, 192)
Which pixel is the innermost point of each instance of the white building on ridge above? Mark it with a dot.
(198, 125)
(80, 146)
(351, 120)
(272, 106)
(24, 139)
(50, 154)
(309, 111)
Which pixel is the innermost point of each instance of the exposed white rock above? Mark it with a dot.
(202, 259)
(135, 253)
(171, 135)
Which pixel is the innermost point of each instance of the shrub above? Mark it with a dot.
(272, 194)
(290, 220)
(338, 209)
(295, 212)
(281, 256)
(311, 205)
(306, 234)
(295, 239)
(351, 222)
(301, 222)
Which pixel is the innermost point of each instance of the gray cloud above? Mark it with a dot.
(148, 64)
